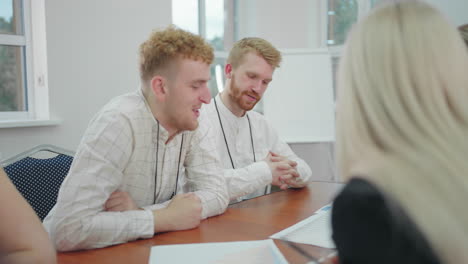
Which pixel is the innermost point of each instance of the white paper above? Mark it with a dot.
(248, 252)
(314, 230)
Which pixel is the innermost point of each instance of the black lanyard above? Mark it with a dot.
(156, 170)
(225, 140)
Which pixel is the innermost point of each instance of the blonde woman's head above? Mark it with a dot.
(402, 82)
(402, 117)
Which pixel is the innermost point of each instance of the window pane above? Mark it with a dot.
(342, 14)
(12, 93)
(10, 17)
(215, 23)
(185, 14)
(216, 82)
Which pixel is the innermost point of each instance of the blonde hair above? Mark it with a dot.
(402, 118)
(259, 46)
(165, 46)
(464, 32)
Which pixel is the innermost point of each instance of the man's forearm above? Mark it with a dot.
(101, 230)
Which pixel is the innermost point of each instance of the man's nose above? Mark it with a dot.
(258, 87)
(205, 95)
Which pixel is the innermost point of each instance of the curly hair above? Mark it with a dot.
(260, 46)
(164, 46)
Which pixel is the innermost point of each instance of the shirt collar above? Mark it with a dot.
(163, 133)
(226, 113)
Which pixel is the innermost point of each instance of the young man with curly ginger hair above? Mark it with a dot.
(123, 182)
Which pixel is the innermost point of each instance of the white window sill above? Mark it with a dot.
(29, 123)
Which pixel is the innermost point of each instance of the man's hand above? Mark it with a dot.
(120, 201)
(283, 170)
(183, 212)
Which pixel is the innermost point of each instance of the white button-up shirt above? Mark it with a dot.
(118, 152)
(249, 178)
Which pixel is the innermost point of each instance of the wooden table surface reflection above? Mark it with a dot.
(255, 219)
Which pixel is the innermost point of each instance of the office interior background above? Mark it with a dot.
(62, 60)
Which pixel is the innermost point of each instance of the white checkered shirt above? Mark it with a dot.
(118, 152)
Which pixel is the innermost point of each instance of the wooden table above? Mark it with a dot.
(255, 219)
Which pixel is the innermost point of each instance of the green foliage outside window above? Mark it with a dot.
(345, 15)
(8, 73)
(5, 26)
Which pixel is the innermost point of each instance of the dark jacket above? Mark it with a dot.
(369, 227)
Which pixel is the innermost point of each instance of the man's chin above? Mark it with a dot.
(192, 126)
(248, 107)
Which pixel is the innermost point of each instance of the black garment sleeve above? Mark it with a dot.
(365, 230)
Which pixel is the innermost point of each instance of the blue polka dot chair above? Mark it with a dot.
(38, 174)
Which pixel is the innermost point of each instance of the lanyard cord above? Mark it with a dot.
(178, 166)
(156, 170)
(225, 140)
(251, 138)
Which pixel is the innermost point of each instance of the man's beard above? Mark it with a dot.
(238, 96)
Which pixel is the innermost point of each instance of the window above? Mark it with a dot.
(214, 21)
(184, 16)
(13, 87)
(20, 71)
(341, 15)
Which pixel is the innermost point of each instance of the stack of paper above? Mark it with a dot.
(315, 230)
(249, 252)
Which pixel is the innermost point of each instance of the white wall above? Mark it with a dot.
(303, 89)
(92, 56)
(292, 24)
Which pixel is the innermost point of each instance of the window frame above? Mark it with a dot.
(336, 51)
(364, 7)
(34, 65)
(230, 35)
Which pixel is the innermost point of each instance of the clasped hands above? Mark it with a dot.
(283, 170)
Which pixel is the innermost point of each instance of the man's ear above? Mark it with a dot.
(158, 87)
(228, 71)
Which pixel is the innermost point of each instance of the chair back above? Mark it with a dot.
(39, 179)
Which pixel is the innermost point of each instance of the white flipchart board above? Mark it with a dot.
(299, 102)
